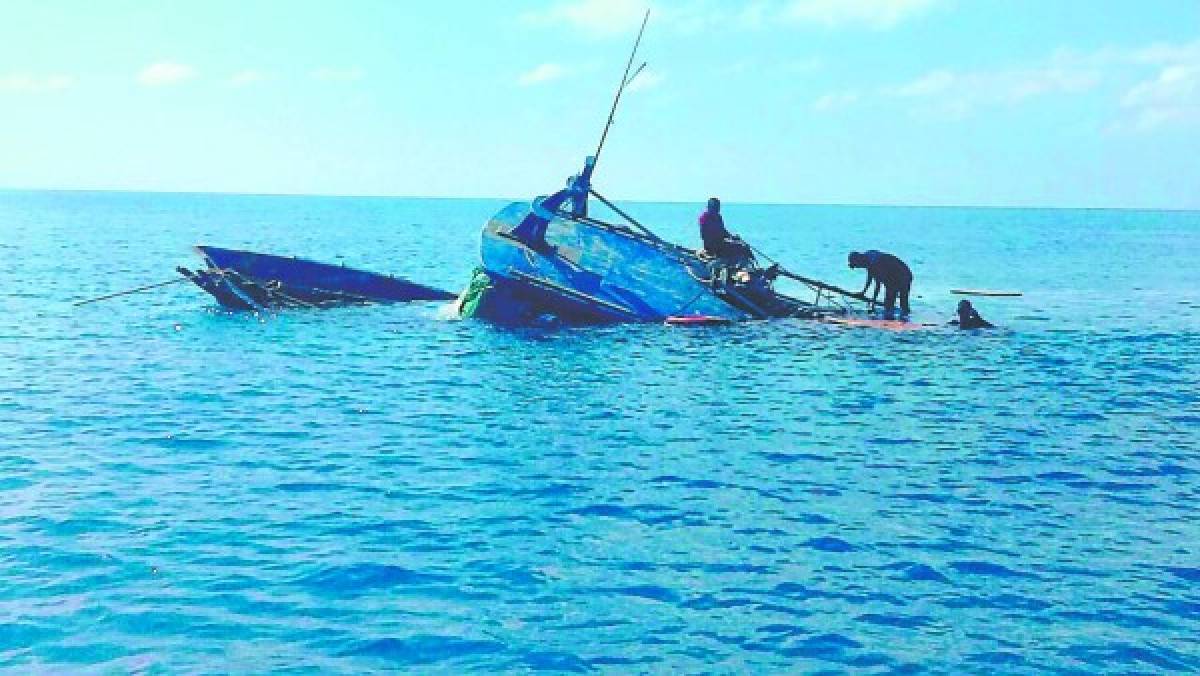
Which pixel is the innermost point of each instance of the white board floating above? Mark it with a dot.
(985, 292)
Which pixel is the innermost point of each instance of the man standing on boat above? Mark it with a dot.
(719, 242)
(893, 273)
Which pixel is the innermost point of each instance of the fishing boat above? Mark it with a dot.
(549, 260)
(245, 280)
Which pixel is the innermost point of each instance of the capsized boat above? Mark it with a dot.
(549, 260)
(245, 280)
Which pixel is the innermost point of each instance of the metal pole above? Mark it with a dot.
(126, 293)
(624, 81)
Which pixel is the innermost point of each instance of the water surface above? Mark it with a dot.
(368, 488)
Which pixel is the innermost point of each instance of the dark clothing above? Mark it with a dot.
(972, 320)
(713, 232)
(719, 242)
(975, 322)
(894, 275)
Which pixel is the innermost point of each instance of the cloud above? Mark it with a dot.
(1171, 97)
(835, 101)
(546, 72)
(1160, 85)
(1157, 54)
(605, 18)
(934, 82)
(25, 82)
(646, 80)
(245, 78)
(596, 17)
(757, 14)
(956, 93)
(338, 74)
(165, 73)
(877, 14)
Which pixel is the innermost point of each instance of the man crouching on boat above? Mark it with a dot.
(719, 242)
(891, 272)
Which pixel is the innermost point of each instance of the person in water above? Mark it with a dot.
(891, 272)
(968, 317)
(719, 242)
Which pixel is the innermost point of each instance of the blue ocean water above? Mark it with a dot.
(183, 489)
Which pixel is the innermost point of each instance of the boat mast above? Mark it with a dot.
(625, 80)
(532, 228)
(590, 163)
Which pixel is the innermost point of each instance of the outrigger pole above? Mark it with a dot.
(626, 78)
(128, 292)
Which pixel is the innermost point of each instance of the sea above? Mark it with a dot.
(188, 490)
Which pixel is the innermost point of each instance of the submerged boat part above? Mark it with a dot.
(244, 280)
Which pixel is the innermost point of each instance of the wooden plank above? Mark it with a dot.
(985, 292)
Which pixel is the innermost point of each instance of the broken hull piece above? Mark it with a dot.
(244, 280)
(880, 324)
(696, 320)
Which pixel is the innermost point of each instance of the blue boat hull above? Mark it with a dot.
(244, 280)
(587, 271)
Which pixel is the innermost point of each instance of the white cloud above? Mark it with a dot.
(1169, 94)
(607, 18)
(597, 17)
(756, 14)
(934, 82)
(1157, 54)
(1160, 84)
(338, 74)
(25, 82)
(603, 18)
(1171, 97)
(835, 101)
(165, 73)
(1172, 83)
(954, 94)
(646, 80)
(878, 14)
(546, 72)
(245, 78)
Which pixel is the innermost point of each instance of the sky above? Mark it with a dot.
(1076, 103)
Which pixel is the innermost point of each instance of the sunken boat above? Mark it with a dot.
(245, 280)
(548, 260)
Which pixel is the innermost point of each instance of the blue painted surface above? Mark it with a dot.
(589, 271)
(376, 488)
(303, 280)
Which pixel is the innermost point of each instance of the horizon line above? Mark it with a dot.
(237, 193)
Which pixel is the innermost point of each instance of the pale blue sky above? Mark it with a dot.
(980, 102)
